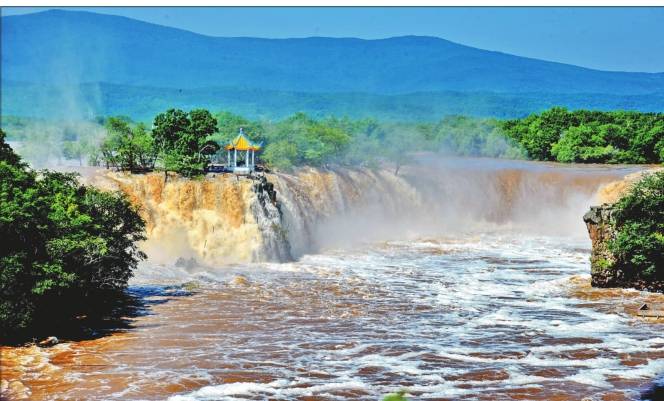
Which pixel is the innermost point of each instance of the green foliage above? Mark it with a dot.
(584, 136)
(467, 136)
(60, 241)
(639, 222)
(42, 142)
(229, 124)
(180, 139)
(300, 140)
(604, 264)
(398, 396)
(6, 153)
(280, 154)
(127, 147)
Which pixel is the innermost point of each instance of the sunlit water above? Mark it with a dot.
(455, 280)
(492, 315)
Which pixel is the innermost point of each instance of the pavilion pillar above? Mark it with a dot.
(247, 162)
(228, 158)
(234, 157)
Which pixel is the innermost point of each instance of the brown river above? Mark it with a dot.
(475, 295)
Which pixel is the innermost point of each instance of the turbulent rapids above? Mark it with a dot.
(456, 279)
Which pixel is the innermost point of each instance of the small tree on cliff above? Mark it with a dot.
(180, 139)
(639, 222)
(63, 244)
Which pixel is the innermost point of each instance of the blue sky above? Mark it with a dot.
(618, 38)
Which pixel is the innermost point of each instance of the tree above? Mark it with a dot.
(281, 155)
(73, 150)
(180, 139)
(128, 147)
(229, 124)
(590, 136)
(6, 153)
(64, 244)
(639, 222)
(314, 143)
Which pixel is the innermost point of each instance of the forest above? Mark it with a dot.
(182, 141)
(584, 136)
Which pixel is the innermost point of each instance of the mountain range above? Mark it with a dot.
(81, 56)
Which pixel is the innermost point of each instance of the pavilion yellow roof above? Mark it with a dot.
(241, 142)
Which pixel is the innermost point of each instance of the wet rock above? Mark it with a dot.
(602, 261)
(240, 281)
(48, 342)
(188, 263)
(263, 186)
(269, 218)
(191, 286)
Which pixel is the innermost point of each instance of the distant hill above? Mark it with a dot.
(67, 46)
(61, 62)
(143, 103)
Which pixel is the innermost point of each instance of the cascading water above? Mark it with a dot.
(456, 279)
(342, 207)
(227, 219)
(215, 220)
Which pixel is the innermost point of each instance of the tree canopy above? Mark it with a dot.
(180, 138)
(584, 136)
(639, 222)
(61, 241)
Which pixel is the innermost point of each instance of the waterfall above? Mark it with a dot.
(216, 220)
(277, 217)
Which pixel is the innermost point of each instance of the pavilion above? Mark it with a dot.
(241, 154)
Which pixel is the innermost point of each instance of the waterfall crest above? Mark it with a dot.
(225, 219)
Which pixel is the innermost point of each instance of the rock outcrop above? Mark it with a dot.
(603, 269)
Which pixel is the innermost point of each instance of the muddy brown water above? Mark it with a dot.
(500, 311)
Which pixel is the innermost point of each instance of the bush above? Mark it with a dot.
(639, 222)
(63, 244)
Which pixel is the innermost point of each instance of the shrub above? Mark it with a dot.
(639, 222)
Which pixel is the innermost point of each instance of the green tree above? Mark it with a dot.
(590, 136)
(128, 147)
(73, 150)
(316, 143)
(281, 155)
(229, 124)
(180, 139)
(63, 244)
(639, 222)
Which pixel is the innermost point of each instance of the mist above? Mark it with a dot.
(439, 196)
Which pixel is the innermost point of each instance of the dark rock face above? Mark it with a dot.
(602, 262)
(605, 269)
(269, 218)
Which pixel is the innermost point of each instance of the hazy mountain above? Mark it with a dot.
(143, 103)
(66, 47)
